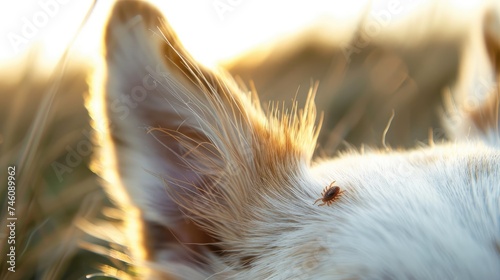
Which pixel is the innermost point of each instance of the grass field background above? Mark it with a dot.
(45, 131)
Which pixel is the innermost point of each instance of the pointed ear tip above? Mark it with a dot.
(124, 10)
(129, 12)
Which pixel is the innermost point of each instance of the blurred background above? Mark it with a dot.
(372, 59)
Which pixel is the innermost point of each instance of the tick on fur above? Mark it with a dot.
(329, 194)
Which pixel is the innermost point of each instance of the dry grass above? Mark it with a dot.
(359, 93)
(44, 131)
(43, 120)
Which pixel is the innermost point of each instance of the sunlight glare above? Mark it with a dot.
(212, 31)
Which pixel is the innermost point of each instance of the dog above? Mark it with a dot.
(216, 187)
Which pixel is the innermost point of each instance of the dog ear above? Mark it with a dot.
(477, 114)
(162, 121)
(183, 144)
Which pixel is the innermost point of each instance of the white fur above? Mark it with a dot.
(246, 179)
(426, 214)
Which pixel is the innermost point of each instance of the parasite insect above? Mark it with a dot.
(330, 193)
